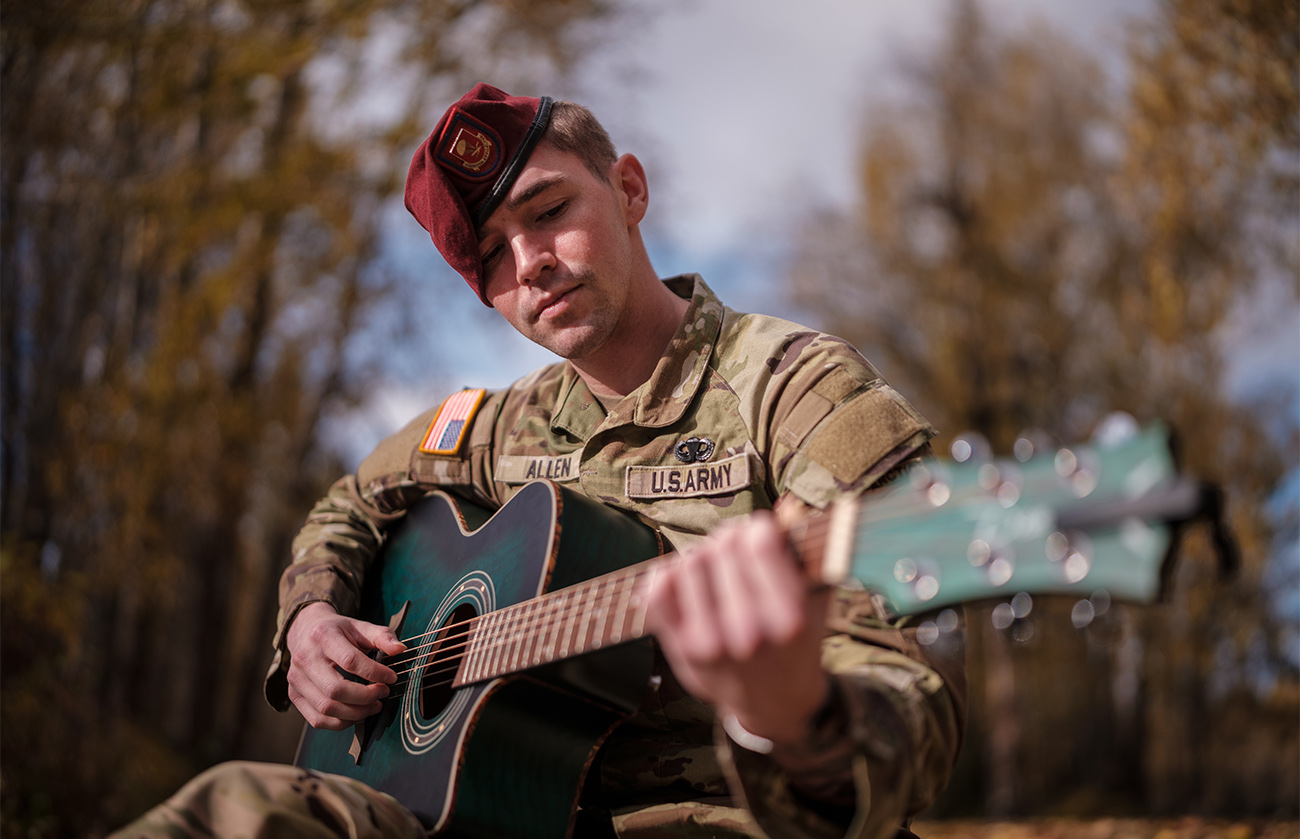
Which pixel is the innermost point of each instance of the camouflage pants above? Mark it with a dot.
(244, 800)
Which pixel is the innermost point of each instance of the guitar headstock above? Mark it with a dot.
(1073, 520)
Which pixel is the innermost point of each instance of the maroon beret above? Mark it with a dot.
(461, 173)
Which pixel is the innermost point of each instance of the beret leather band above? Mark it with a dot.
(516, 165)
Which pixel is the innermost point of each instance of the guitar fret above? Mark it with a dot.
(640, 603)
(564, 625)
(494, 663)
(598, 637)
(522, 636)
(517, 653)
(547, 638)
(626, 595)
(470, 665)
(489, 646)
(557, 623)
(583, 623)
(534, 647)
(516, 639)
(575, 622)
(589, 636)
(482, 646)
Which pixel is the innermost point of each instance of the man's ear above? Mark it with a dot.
(629, 176)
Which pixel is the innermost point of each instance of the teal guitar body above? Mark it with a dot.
(506, 756)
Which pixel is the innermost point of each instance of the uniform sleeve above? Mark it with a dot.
(345, 529)
(837, 428)
(885, 746)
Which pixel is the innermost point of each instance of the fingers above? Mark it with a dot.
(758, 586)
(321, 644)
(731, 595)
(350, 648)
(323, 711)
(742, 629)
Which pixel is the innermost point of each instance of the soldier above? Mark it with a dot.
(777, 708)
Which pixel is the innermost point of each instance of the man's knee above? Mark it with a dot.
(254, 800)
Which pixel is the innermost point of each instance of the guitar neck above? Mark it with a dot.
(1066, 522)
(602, 612)
(611, 609)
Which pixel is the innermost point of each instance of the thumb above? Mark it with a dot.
(377, 637)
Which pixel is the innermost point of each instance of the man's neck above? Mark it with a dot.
(628, 359)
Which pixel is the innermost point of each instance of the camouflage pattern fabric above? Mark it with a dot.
(267, 801)
(742, 411)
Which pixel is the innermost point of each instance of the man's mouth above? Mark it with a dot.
(553, 304)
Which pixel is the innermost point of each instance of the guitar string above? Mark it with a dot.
(556, 610)
(814, 531)
(614, 583)
(816, 527)
(510, 617)
(807, 533)
(447, 659)
(449, 656)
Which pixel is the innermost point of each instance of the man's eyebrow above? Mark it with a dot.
(514, 202)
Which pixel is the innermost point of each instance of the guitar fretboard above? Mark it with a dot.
(601, 612)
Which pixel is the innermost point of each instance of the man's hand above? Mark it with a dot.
(742, 629)
(319, 640)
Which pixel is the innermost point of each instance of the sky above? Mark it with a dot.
(749, 105)
(746, 114)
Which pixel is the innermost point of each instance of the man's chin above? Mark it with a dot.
(573, 344)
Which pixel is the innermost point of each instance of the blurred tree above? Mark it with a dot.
(190, 240)
(1030, 253)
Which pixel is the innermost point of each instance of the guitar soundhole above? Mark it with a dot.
(444, 660)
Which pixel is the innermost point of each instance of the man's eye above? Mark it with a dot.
(491, 256)
(555, 211)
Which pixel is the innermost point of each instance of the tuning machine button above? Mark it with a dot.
(1071, 554)
(1078, 469)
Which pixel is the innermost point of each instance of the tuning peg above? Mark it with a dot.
(1031, 442)
(1078, 468)
(1085, 611)
(930, 632)
(1014, 616)
(933, 481)
(1115, 428)
(971, 446)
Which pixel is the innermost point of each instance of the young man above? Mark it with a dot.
(777, 707)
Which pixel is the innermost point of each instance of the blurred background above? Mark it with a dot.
(1028, 215)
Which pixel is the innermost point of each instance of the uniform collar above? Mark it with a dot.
(672, 387)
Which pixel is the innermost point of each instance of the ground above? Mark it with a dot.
(1181, 828)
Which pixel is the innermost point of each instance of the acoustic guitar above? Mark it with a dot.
(526, 633)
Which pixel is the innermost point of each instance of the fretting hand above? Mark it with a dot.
(742, 629)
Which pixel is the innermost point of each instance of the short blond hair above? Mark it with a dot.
(575, 130)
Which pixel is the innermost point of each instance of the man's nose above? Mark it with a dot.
(533, 257)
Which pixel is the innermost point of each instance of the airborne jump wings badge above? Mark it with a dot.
(694, 450)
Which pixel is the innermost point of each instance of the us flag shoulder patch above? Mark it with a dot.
(447, 431)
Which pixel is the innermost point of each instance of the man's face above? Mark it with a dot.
(557, 257)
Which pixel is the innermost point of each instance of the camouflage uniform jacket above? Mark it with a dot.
(788, 412)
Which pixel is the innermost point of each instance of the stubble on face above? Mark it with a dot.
(581, 335)
(574, 306)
